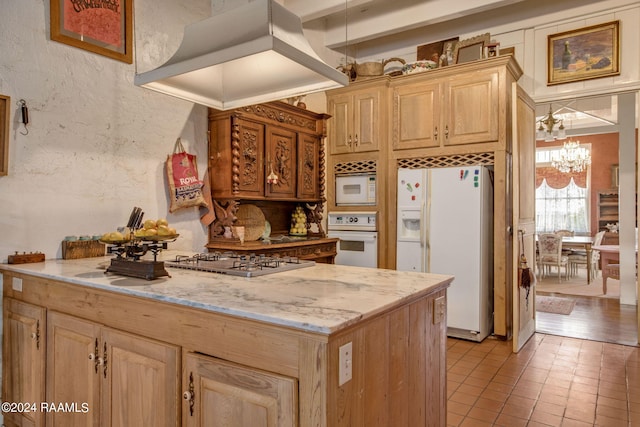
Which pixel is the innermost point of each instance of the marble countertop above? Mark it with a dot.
(324, 298)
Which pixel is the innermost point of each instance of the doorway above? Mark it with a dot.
(599, 124)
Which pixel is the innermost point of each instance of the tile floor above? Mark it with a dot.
(552, 381)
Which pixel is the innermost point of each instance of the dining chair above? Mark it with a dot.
(565, 233)
(550, 254)
(579, 257)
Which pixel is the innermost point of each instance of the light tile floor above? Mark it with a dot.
(552, 381)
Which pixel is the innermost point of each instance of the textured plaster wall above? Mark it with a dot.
(96, 144)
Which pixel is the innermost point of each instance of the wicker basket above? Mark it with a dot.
(82, 249)
(252, 219)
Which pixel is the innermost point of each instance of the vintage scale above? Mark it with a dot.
(128, 262)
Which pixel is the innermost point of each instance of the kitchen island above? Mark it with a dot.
(326, 345)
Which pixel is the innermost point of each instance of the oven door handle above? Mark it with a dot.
(362, 236)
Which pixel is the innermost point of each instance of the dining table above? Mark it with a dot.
(580, 243)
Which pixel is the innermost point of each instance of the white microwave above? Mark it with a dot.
(356, 189)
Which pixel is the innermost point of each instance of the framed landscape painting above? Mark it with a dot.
(584, 54)
(104, 28)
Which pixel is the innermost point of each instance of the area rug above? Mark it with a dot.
(577, 285)
(554, 304)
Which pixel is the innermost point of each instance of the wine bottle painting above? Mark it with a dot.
(583, 54)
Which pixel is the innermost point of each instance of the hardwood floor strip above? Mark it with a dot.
(597, 319)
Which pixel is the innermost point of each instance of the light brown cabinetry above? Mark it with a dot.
(445, 111)
(220, 393)
(267, 374)
(24, 330)
(356, 114)
(464, 115)
(112, 377)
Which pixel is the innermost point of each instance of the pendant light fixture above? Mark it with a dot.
(250, 54)
(546, 129)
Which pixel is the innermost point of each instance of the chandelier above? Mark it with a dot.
(546, 131)
(571, 158)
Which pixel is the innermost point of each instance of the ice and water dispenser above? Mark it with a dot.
(409, 224)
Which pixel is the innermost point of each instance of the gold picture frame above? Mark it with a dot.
(5, 119)
(584, 54)
(106, 30)
(470, 49)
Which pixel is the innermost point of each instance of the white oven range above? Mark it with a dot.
(358, 234)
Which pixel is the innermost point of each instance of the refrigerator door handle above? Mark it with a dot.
(422, 226)
(426, 220)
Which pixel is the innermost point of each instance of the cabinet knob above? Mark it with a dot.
(92, 356)
(435, 134)
(34, 335)
(356, 141)
(446, 132)
(187, 395)
(349, 141)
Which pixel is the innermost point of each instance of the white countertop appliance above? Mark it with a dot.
(358, 234)
(445, 225)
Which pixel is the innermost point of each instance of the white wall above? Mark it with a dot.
(97, 144)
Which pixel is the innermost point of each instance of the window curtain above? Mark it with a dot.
(563, 208)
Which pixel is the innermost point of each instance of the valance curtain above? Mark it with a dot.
(556, 179)
(561, 208)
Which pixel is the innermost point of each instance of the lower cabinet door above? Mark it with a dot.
(223, 394)
(141, 381)
(73, 366)
(23, 363)
(97, 376)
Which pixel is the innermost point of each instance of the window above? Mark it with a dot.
(562, 199)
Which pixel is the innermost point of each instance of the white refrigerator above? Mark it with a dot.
(445, 225)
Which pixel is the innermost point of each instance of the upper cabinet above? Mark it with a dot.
(270, 151)
(471, 108)
(416, 108)
(356, 112)
(448, 107)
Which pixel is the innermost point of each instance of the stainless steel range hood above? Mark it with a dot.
(251, 54)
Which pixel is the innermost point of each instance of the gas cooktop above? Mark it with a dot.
(237, 265)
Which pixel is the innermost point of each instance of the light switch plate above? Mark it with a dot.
(345, 360)
(16, 284)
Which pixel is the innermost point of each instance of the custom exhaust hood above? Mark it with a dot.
(250, 54)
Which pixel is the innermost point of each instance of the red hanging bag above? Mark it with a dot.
(185, 188)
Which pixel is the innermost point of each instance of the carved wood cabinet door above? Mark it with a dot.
(281, 156)
(308, 164)
(248, 159)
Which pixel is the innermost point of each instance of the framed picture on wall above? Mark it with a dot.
(470, 49)
(104, 28)
(584, 54)
(5, 119)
